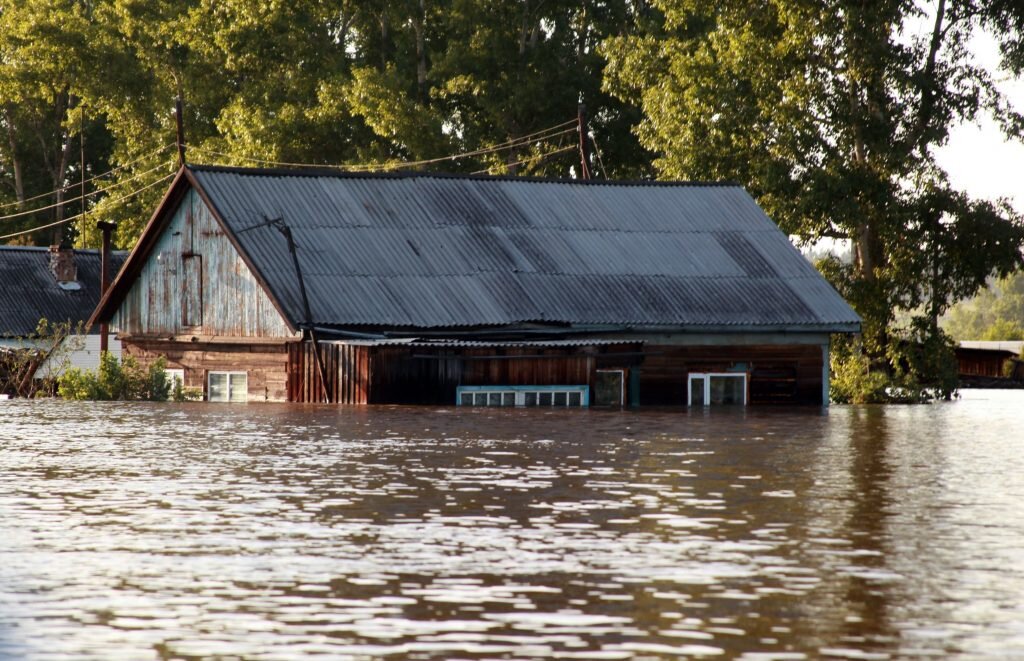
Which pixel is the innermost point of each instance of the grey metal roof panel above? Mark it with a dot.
(434, 251)
(29, 292)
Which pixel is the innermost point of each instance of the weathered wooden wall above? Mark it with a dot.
(266, 364)
(982, 362)
(195, 282)
(789, 374)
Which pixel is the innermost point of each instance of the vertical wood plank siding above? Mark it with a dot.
(193, 251)
(304, 383)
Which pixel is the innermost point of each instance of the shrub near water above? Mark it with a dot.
(113, 380)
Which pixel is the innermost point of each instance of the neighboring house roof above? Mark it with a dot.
(1006, 346)
(428, 251)
(29, 292)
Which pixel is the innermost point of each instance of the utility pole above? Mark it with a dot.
(181, 130)
(107, 229)
(584, 142)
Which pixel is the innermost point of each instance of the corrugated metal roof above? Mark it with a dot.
(479, 344)
(29, 292)
(429, 251)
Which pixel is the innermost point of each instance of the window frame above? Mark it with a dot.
(228, 386)
(519, 395)
(706, 392)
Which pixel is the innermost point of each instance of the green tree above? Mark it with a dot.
(996, 313)
(830, 113)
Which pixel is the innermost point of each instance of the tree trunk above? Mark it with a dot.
(19, 179)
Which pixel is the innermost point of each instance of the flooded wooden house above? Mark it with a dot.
(306, 286)
(60, 285)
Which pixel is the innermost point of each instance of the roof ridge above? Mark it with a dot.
(328, 171)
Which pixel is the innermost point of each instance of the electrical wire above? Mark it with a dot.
(78, 199)
(528, 160)
(90, 179)
(82, 215)
(544, 134)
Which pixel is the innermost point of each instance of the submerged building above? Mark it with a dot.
(320, 286)
(60, 285)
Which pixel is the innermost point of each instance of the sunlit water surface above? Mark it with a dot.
(131, 531)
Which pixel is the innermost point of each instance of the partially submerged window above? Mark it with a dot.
(610, 388)
(228, 387)
(717, 388)
(175, 376)
(547, 396)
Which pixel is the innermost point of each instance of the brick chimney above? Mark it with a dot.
(62, 264)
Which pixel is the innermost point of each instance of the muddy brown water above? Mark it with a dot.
(135, 531)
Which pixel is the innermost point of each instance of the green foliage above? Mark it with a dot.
(830, 115)
(113, 380)
(920, 366)
(854, 382)
(29, 365)
(179, 393)
(996, 313)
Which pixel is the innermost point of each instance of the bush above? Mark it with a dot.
(125, 380)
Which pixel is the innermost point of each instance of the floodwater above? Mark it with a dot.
(199, 531)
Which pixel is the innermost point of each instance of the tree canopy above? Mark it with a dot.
(830, 113)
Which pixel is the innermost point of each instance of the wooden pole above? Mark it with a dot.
(179, 122)
(107, 229)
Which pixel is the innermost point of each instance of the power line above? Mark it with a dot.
(528, 160)
(89, 180)
(81, 215)
(74, 200)
(544, 134)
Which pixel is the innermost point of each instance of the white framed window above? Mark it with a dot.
(175, 376)
(227, 387)
(716, 388)
(547, 396)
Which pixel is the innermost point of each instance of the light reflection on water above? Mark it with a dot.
(272, 532)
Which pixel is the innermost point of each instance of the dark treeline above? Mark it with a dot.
(829, 112)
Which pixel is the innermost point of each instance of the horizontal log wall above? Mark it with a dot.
(266, 365)
(789, 374)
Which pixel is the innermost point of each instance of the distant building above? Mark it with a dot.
(423, 288)
(983, 363)
(58, 285)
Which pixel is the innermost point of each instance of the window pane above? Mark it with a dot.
(480, 399)
(727, 389)
(575, 398)
(508, 399)
(560, 399)
(696, 391)
(466, 399)
(544, 399)
(531, 399)
(218, 387)
(494, 399)
(238, 387)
